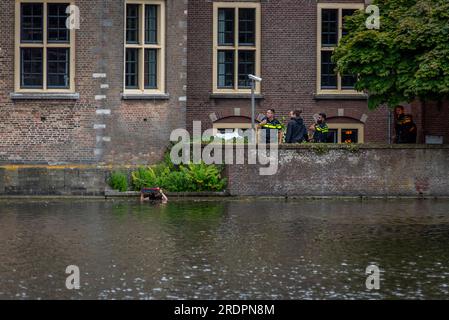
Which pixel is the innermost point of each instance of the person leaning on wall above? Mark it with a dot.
(405, 127)
(271, 125)
(320, 129)
(296, 130)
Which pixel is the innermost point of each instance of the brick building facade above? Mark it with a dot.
(289, 31)
(114, 89)
(295, 37)
(95, 120)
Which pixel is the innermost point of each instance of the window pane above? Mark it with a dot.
(332, 136)
(346, 13)
(131, 69)
(31, 60)
(226, 69)
(132, 23)
(57, 17)
(329, 27)
(58, 68)
(150, 68)
(31, 21)
(246, 66)
(349, 136)
(328, 75)
(348, 82)
(151, 24)
(247, 26)
(226, 26)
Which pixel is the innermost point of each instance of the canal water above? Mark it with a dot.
(224, 249)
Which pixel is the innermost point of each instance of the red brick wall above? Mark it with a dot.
(138, 130)
(399, 170)
(288, 68)
(432, 118)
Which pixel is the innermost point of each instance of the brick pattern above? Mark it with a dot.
(288, 68)
(137, 132)
(302, 171)
(134, 132)
(339, 172)
(432, 118)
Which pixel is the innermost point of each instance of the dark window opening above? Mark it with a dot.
(31, 73)
(226, 69)
(348, 82)
(247, 27)
(132, 23)
(150, 69)
(328, 74)
(151, 24)
(31, 22)
(226, 18)
(332, 136)
(131, 69)
(58, 68)
(329, 27)
(346, 13)
(56, 20)
(246, 66)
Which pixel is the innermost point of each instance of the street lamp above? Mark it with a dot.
(253, 79)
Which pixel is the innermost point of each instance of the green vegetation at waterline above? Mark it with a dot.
(173, 178)
(118, 181)
(183, 178)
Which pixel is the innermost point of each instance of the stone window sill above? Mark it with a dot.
(234, 96)
(137, 96)
(339, 96)
(44, 96)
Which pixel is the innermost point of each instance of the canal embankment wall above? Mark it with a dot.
(302, 171)
(349, 170)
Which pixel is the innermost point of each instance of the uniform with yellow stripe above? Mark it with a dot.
(321, 133)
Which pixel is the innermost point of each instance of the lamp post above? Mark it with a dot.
(253, 79)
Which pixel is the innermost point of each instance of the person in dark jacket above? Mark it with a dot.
(405, 127)
(296, 130)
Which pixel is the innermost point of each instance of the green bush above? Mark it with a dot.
(202, 177)
(144, 178)
(179, 178)
(118, 181)
(193, 178)
(175, 181)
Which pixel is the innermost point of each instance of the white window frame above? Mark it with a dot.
(44, 45)
(141, 46)
(236, 47)
(340, 7)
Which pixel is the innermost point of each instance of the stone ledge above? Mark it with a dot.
(127, 96)
(332, 96)
(333, 146)
(363, 146)
(234, 96)
(44, 96)
(117, 194)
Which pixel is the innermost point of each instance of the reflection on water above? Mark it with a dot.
(232, 249)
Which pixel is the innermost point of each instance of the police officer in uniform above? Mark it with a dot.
(320, 129)
(405, 128)
(270, 125)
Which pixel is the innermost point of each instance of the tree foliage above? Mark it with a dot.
(406, 59)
